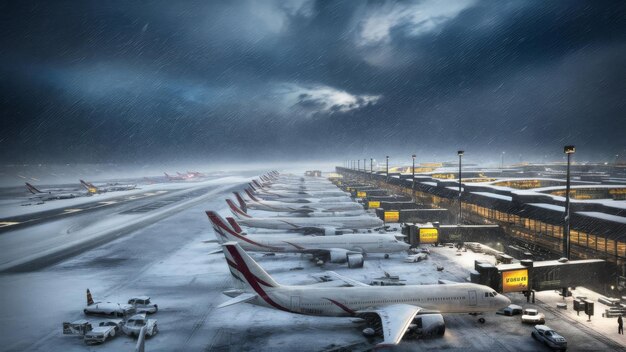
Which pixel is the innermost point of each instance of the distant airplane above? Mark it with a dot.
(189, 175)
(51, 194)
(349, 248)
(300, 208)
(391, 311)
(109, 187)
(326, 225)
(303, 199)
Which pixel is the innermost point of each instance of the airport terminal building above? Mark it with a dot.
(528, 208)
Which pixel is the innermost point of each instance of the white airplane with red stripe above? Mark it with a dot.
(391, 311)
(348, 248)
(326, 225)
(300, 200)
(318, 209)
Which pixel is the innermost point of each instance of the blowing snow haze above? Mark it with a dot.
(122, 81)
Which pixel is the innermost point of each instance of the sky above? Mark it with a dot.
(130, 81)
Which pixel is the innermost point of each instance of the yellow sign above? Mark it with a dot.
(361, 194)
(515, 280)
(348, 189)
(429, 235)
(392, 216)
(373, 204)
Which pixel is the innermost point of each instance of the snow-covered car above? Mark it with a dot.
(133, 326)
(532, 316)
(78, 327)
(549, 337)
(107, 308)
(511, 310)
(416, 258)
(103, 331)
(142, 304)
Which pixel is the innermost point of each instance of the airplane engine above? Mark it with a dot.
(331, 231)
(355, 260)
(338, 256)
(427, 326)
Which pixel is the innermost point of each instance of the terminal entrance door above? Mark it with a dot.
(472, 298)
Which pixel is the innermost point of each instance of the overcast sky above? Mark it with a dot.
(127, 81)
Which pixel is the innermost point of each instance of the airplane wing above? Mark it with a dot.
(395, 321)
(242, 298)
(347, 280)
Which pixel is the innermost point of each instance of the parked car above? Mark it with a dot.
(549, 337)
(142, 304)
(78, 327)
(133, 326)
(532, 316)
(511, 310)
(416, 258)
(103, 331)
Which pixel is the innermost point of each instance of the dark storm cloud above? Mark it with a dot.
(101, 81)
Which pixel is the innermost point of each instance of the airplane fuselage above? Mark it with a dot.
(347, 301)
(294, 223)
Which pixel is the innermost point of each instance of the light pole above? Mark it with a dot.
(460, 153)
(569, 150)
(364, 165)
(358, 165)
(387, 169)
(413, 173)
(371, 165)
(502, 163)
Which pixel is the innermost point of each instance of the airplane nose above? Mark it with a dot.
(504, 300)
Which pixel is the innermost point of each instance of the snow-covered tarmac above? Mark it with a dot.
(168, 261)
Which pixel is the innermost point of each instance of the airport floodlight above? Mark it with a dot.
(460, 154)
(387, 168)
(413, 173)
(569, 150)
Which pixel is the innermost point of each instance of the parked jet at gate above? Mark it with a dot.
(391, 310)
(300, 193)
(327, 225)
(320, 209)
(303, 199)
(348, 248)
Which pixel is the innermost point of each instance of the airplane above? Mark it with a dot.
(299, 193)
(51, 194)
(278, 206)
(109, 187)
(348, 248)
(391, 311)
(325, 225)
(303, 199)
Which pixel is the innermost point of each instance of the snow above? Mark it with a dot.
(167, 260)
(548, 206)
(494, 195)
(603, 216)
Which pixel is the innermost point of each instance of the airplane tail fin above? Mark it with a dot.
(239, 214)
(223, 232)
(89, 298)
(242, 203)
(89, 186)
(252, 186)
(32, 189)
(234, 225)
(243, 267)
(249, 193)
(257, 184)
